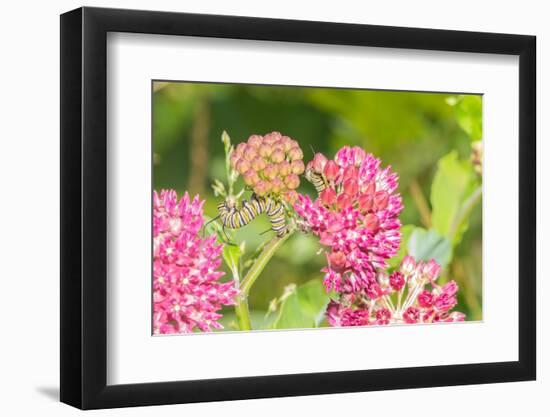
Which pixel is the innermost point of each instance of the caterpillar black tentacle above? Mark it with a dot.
(233, 217)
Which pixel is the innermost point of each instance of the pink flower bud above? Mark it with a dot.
(335, 225)
(265, 150)
(397, 281)
(309, 167)
(277, 156)
(358, 155)
(337, 260)
(277, 185)
(278, 146)
(258, 163)
(234, 159)
(371, 222)
(411, 315)
(250, 177)
(284, 168)
(456, 316)
(350, 172)
(425, 299)
(408, 265)
(381, 200)
(343, 201)
(297, 167)
(328, 196)
(295, 153)
(270, 171)
(242, 166)
(365, 203)
(319, 162)
(291, 196)
(331, 170)
(374, 291)
(239, 150)
(370, 189)
(450, 288)
(255, 141)
(272, 137)
(262, 188)
(351, 187)
(286, 142)
(383, 316)
(445, 302)
(292, 181)
(249, 153)
(431, 270)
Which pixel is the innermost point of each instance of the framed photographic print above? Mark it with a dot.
(258, 208)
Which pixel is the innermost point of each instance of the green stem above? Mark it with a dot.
(464, 211)
(421, 203)
(241, 308)
(262, 260)
(242, 313)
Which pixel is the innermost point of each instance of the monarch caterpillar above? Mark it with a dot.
(235, 218)
(318, 180)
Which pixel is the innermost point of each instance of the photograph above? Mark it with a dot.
(268, 209)
(294, 207)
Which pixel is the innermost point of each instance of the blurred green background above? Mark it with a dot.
(408, 130)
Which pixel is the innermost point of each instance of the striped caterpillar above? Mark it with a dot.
(318, 180)
(233, 217)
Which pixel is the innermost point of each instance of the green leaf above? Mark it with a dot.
(231, 255)
(406, 232)
(468, 111)
(302, 307)
(454, 182)
(429, 244)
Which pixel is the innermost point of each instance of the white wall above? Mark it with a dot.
(29, 211)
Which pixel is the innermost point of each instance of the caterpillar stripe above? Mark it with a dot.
(318, 180)
(235, 218)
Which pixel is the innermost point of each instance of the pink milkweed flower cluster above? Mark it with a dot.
(355, 217)
(418, 299)
(187, 292)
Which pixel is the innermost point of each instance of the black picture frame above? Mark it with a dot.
(84, 207)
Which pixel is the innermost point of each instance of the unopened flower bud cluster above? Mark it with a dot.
(270, 165)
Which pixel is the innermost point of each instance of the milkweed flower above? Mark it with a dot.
(410, 295)
(270, 165)
(355, 217)
(187, 292)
